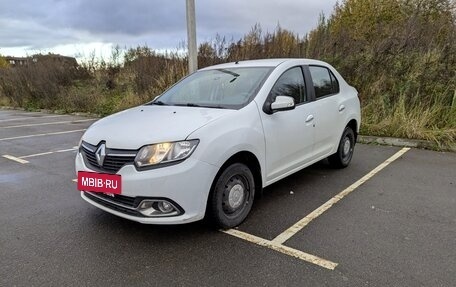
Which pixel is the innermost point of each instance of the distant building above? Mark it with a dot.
(38, 58)
(55, 58)
(17, 61)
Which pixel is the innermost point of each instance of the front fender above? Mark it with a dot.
(228, 135)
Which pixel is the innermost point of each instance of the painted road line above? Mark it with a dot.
(31, 118)
(68, 149)
(287, 234)
(282, 249)
(49, 123)
(16, 159)
(20, 159)
(40, 135)
(49, 152)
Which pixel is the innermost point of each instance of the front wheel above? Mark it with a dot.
(232, 196)
(344, 154)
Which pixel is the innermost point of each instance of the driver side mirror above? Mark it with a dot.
(282, 103)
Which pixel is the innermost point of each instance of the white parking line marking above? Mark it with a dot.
(16, 159)
(20, 159)
(49, 152)
(49, 123)
(287, 234)
(282, 249)
(68, 149)
(37, 154)
(40, 135)
(31, 118)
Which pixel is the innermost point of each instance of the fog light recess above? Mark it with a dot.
(157, 208)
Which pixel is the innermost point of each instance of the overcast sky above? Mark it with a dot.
(79, 27)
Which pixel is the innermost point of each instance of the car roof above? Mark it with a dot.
(265, 63)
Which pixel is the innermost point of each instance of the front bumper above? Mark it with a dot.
(187, 184)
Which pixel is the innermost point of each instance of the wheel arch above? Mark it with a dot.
(247, 158)
(353, 124)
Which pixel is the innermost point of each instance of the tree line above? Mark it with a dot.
(399, 54)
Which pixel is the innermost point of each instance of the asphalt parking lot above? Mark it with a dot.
(389, 219)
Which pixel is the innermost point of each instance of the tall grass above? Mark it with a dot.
(435, 122)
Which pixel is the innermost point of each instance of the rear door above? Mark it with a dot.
(329, 109)
(289, 135)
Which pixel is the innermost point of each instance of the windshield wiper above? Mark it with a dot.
(188, 105)
(229, 72)
(158, 103)
(200, 106)
(214, 107)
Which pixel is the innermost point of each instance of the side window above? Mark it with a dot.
(325, 83)
(335, 83)
(291, 83)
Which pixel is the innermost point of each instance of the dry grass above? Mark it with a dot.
(400, 55)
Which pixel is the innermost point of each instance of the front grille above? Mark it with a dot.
(119, 203)
(113, 161)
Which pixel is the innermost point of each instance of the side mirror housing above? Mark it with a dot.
(282, 103)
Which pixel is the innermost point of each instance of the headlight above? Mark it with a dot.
(165, 153)
(80, 143)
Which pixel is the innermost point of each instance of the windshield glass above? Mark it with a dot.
(229, 88)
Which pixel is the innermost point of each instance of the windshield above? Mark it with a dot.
(231, 88)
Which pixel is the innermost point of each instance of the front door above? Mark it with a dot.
(289, 135)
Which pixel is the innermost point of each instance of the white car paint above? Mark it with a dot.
(156, 123)
(282, 142)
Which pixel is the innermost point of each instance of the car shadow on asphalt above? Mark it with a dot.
(102, 220)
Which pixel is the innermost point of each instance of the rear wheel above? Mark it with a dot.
(232, 196)
(344, 154)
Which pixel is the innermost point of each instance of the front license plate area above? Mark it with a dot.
(99, 182)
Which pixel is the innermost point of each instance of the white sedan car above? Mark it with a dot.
(212, 141)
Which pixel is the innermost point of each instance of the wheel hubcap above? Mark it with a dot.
(236, 196)
(347, 147)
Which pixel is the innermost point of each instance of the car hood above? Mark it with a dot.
(139, 126)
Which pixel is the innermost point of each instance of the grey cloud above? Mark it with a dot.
(158, 23)
(297, 15)
(123, 17)
(19, 33)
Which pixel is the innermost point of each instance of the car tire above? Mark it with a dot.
(344, 154)
(232, 196)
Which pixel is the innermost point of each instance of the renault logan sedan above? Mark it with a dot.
(212, 141)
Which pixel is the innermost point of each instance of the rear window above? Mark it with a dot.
(324, 81)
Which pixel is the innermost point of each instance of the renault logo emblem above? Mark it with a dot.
(100, 154)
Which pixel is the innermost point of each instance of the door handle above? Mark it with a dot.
(309, 118)
(341, 108)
